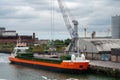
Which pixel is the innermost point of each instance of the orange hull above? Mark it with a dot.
(63, 65)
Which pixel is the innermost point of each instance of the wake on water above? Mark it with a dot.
(4, 58)
(4, 61)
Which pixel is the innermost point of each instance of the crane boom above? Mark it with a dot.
(73, 30)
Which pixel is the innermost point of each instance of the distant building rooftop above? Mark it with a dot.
(97, 45)
(9, 31)
(107, 37)
(104, 44)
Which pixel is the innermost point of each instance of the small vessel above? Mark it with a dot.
(22, 56)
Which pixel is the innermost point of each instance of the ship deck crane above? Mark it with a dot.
(72, 26)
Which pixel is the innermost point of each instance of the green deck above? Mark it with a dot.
(29, 56)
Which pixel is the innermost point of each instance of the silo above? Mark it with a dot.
(116, 27)
(1, 30)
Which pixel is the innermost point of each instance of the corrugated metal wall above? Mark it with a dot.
(88, 46)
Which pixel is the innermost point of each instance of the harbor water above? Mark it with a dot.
(17, 72)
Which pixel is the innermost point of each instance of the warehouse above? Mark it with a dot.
(98, 49)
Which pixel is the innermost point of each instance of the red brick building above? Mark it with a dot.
(29, 39)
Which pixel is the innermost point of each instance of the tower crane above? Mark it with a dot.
(72, 26)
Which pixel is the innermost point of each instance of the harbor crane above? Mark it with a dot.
(72, 26)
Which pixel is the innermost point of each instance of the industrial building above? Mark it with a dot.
(8, 33)
(98, 45)
(10, 36)
(102, 48)
(4, 32)
(99, 49)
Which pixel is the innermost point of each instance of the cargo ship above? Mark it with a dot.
(71, 64)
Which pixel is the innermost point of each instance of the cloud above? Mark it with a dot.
(27, 16)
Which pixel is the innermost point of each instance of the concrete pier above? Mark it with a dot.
(107, 68)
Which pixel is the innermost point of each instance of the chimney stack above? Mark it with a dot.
(93, 34)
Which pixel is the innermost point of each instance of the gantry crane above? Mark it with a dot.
(72, 26)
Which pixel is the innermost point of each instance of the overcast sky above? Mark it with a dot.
(28, 16)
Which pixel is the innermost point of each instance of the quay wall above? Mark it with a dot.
(105, 70)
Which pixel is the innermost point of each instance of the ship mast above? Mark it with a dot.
(52, 48)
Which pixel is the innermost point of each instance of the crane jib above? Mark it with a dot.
(72, 29)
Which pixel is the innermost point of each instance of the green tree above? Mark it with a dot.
(67, 41)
